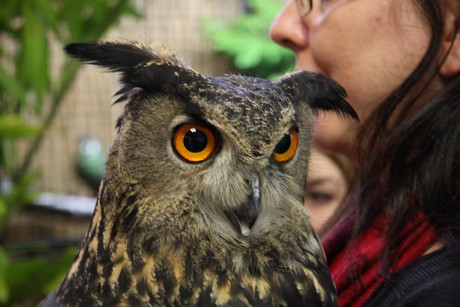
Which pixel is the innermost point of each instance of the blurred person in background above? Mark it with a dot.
(397, 239)
(328, 180)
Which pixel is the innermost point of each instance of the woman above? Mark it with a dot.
(328, 181)
(397, 243)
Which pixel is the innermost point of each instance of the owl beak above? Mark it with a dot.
(254, 201)
(245, 216)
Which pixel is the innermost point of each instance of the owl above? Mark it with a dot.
(201, 203)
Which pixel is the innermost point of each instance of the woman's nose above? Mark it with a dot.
(288, 29)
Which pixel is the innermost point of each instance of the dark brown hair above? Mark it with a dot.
(413, 156)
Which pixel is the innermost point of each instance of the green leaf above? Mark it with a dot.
(33, 61)
(3, 216)
(247, 43)
(18, 196)
(4, 289)
(12, 127)
(62, 264)
(46, 274)
(12, 87)
(47, 12)
(71, 12)
(10, 10)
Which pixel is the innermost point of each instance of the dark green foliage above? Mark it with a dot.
(27, 280)
(247, 43)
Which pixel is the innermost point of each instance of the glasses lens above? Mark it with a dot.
(304, 7)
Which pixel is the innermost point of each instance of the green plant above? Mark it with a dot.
(27, 280)
(247, 43)
(32, 87)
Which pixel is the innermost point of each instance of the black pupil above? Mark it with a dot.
(283, 145)
(195, 140)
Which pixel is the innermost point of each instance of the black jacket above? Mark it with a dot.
(432, 280)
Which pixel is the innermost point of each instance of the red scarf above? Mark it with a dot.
(356, 272)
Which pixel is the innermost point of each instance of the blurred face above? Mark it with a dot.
(368, 46)
(326, 186)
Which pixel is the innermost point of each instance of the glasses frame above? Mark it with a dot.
(304, 7)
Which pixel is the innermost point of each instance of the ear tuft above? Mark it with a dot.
(319, 91)
(139, 65)
(114, 56)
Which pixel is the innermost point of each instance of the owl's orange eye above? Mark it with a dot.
(194, 143)
(287, 147)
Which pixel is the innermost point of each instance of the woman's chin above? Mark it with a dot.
(336, 133)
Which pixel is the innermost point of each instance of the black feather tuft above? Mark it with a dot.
(321, 92)
(118, 57)
(139, 65)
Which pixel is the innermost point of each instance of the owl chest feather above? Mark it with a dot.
(181, 263)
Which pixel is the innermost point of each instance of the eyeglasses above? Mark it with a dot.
(304, 7)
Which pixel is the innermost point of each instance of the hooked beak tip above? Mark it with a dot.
(244, 217)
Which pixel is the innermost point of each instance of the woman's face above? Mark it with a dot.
(368, 46)
(327, 187)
